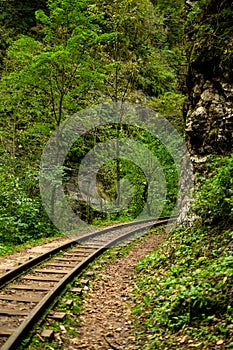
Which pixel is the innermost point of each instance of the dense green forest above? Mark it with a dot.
(60, 57)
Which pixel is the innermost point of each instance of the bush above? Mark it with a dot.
(215, 197)
(22, 217)
(185, 285)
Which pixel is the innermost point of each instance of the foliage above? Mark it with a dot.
(43, 78)
(135, 59)
(184, 287)
(22, 217)
(170, 105)
(215, 200)
(136, 199)
(17, 17)
(173, 17)
(64, 56)
(209, 36)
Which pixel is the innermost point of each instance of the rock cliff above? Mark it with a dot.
(209, 109)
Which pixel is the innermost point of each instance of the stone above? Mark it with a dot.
(47, 333)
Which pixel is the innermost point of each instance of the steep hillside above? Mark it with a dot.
(184, 293)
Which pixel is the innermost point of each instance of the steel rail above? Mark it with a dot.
(15, 272)
(14, 340)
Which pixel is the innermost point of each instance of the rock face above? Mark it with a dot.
(209, 124)
(209, 111)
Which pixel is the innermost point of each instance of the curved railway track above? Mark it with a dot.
(29, 289)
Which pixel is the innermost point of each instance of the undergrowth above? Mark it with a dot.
(184, 295)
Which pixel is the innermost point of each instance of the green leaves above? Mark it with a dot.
(215, 200)
(184, 287)
(22, 217)
(79, 53)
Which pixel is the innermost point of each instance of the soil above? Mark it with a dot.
(106, 320)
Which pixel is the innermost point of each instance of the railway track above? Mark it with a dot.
(29, 289)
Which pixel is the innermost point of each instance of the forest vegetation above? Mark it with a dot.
(58, 57)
